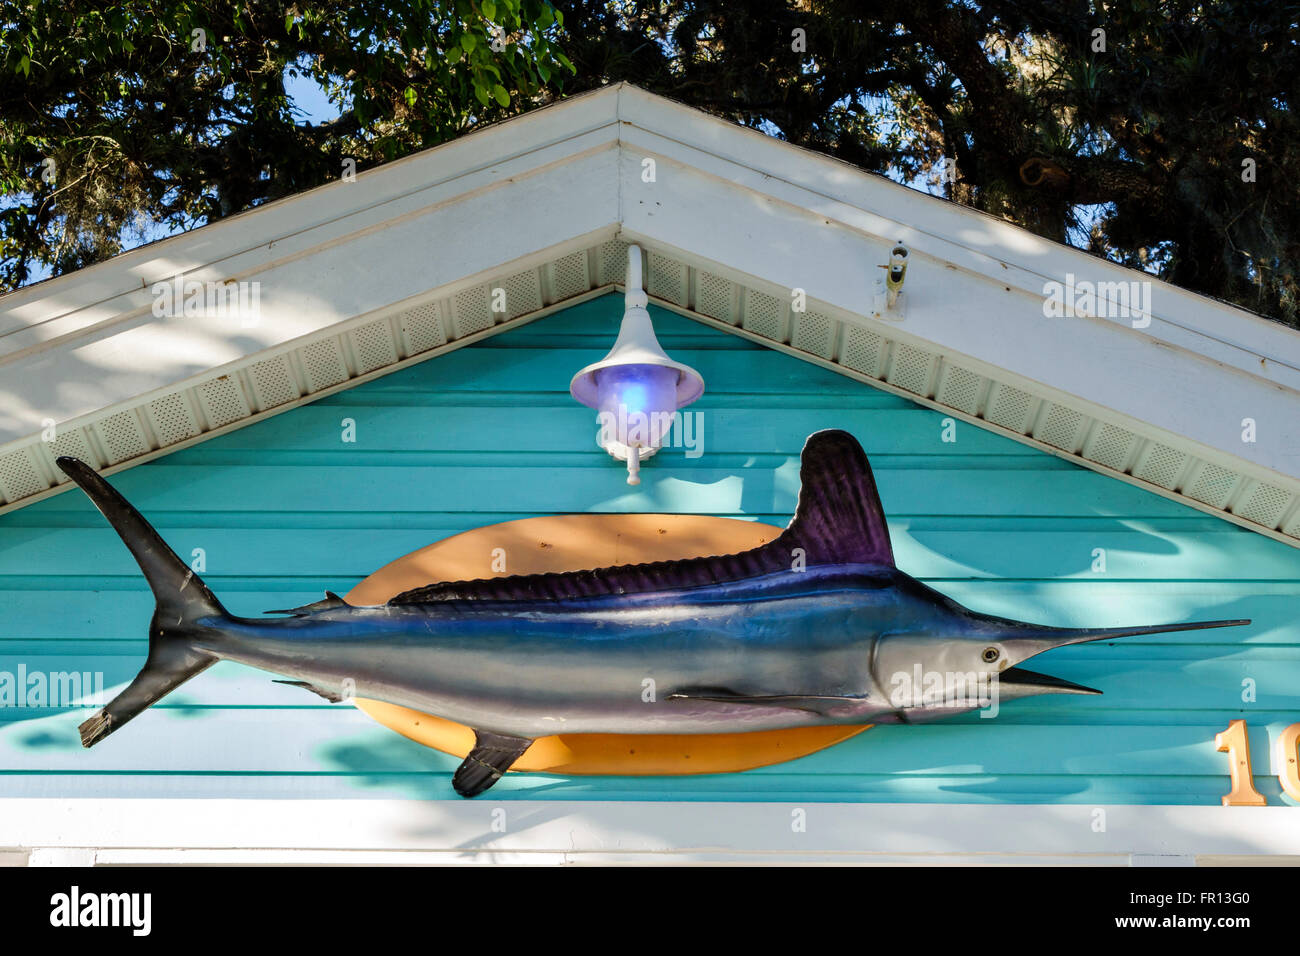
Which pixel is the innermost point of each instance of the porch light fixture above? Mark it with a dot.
(636, 389)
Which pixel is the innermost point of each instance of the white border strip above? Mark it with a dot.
(367, 830)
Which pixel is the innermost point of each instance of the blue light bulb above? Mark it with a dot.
(637, 404)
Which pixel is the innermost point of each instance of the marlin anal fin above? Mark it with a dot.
(491, 757)
(329, 695)
(330, 600)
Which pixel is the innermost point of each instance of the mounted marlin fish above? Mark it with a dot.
(815, 627)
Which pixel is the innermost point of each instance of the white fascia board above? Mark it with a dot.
(967, 238)
(494, 152)
(494, 219)
(964, 303)
(552, 830)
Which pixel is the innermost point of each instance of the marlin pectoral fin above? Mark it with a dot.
(491, 757)
(808, 702)
(329, 695)
(331, 600)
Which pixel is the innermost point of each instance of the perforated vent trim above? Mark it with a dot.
(473, 312)
(713, 297)
(1161, 465)
(1264, 504)
(863, 351)
(813, 333)
(569, 276)
(322, 363)
(73, 442)
(172, 419)
(422, 327)
(1009, 407)
(523, 294)
(764, 316)
(1212, 485)
(613, 262)
(122, 436)
(373, 346)
(1110, 446)
(960, 389)
(222, 401)
(1060, 427)
(910, 369)
(666, 279)
(273, 382)
(19, 476)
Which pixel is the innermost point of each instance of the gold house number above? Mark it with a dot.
(1235, 742)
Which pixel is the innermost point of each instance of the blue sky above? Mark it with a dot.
(309, 99)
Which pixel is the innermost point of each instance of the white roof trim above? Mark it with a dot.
(360, 278)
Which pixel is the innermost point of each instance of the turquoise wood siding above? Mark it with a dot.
(285, 509)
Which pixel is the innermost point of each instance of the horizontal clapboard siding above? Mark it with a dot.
(285, 509)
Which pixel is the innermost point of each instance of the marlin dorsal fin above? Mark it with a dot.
(838, 520)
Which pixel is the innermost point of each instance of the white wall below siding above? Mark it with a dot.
(90, 831)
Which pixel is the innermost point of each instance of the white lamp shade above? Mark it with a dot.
(637, 388)
(636, 345)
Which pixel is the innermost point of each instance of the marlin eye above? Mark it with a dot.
(991, 654)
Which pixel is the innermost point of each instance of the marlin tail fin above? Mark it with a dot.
(185, 607)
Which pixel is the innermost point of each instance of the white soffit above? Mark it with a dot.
(361, 278)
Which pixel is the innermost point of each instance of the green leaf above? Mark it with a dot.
(467, 42)
(24, 66)
(489, 9)
(481, 93)
(501, 95)
(410, 95)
